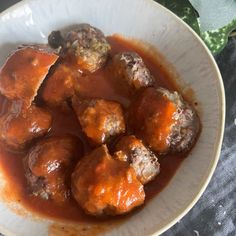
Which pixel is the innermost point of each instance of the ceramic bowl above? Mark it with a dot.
(145, 20)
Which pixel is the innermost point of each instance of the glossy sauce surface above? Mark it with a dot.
(14, 84)
(99, 84)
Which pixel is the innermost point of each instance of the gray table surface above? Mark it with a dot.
(215, 212)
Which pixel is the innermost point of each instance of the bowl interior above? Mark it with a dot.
(32, 21)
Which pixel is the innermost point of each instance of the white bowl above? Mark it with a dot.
(32, 21)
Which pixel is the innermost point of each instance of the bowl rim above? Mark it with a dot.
(219, 139)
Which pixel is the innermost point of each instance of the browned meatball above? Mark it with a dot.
(100, 119)
(105, 186)
(144, 162)
(85, 45)
(49, 165)
(129, 69)
(60, 85)
(24, 71)
(56, 40)
(164, 120)
(18, 128)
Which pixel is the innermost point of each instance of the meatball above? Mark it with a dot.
(100, 119)
(55, 39)
(144, 162)
(164, 120)
(87, 46)
(60, 85)
(129, 69)
(49, 165)
(24, 71)
(18, 128)
(105, 186)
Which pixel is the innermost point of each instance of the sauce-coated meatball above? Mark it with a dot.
(143, 160)
(18, 128)
(164, 120)
(129, 69)
(24, 72)
(49, 165)
(105, 186)
(85, 45)
(60, 85)
(100, 119)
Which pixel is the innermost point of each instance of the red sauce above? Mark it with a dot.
(99, 84)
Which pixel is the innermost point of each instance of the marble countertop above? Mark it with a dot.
(215, 212)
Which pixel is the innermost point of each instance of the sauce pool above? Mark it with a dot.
(99, 84)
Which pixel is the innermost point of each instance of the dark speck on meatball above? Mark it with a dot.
(55, 39)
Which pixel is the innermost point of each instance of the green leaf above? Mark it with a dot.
(184, 10)
(214, 39)
(214, 14)
(217, 39)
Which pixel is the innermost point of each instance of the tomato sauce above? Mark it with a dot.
(99, 84)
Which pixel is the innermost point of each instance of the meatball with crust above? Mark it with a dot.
(100, 119)
(143, 160)
(49, 165)
(56, 40)
(105, 186)
(129, 69)
(18, 127)
(86, 46)
(24, 72)
(60, 85)
(164, 120)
